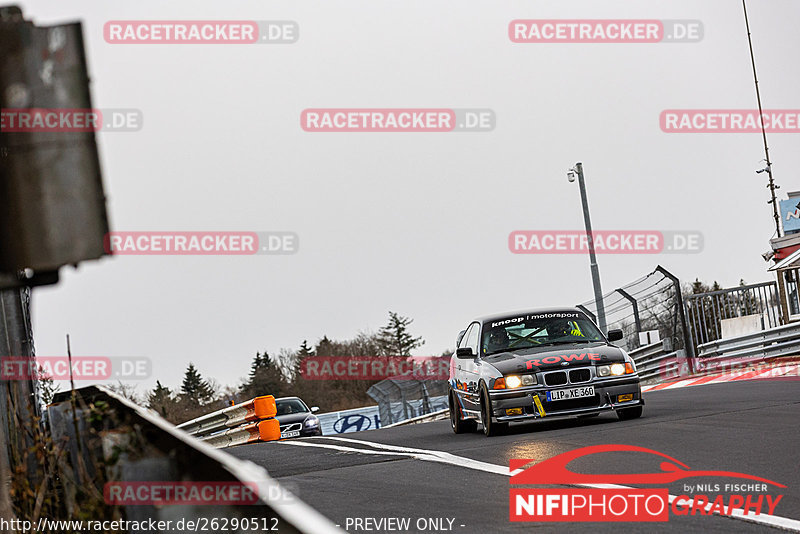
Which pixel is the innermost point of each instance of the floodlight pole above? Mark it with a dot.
(598, 292)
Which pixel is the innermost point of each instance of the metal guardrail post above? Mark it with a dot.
(688, 346)
(635, 306)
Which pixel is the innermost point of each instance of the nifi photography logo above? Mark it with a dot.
(610, 497)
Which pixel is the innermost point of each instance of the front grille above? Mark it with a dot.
(579, 375)
(555, 379)
(291, 426)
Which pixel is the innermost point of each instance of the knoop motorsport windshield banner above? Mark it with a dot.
(609, 497)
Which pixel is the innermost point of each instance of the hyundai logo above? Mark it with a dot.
(352, 423)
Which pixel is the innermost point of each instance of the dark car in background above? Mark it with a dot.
(296, 419)
(538, 363)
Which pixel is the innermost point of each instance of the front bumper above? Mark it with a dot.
(605, 398)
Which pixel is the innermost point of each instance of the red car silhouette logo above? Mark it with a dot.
(554, 470)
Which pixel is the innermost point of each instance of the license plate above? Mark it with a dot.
(567, 394)
(290, 434)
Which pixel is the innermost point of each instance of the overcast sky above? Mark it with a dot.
(416, 223)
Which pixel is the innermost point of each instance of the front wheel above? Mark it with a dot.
(459, 425)
(490, 428)
(629, 413)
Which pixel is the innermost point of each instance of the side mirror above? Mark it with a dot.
(615, 334)
(314, 409)
(465, 353)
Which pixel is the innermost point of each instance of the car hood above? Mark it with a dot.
(292, 418)
(555, 357)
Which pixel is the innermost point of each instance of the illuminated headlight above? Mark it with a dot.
(615, 369)
(513, 381)
(311, 422)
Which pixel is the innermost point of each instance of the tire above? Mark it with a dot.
(490, 428)
(459, 425)
(629, 413)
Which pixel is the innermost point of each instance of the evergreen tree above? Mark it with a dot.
(324, 347)
(194, 388)
(394, 339)
(160, 399)
(265, 378)
(305, 350)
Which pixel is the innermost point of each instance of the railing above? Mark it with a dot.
(433, 416)
(266, 430)
(247, 422)
(111, 441)
(706, 311)
(652, 359)
(232, 416)
(764, 345)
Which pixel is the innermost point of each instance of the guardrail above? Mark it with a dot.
(266, 430)
(112, 443)
(650, 359)
(772, 343)
(433, 416)
(232, 416)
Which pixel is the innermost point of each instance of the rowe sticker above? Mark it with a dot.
(586, 356)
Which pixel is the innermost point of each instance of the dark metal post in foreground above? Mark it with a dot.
(688, 345)
(635, 305)
(598, 292)
(771, 183)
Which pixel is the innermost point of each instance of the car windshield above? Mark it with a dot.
(524, 331)
(290, 406)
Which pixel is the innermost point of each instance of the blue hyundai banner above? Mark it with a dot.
(790, 213)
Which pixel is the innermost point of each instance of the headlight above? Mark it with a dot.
(513, 381)
(528, 380)
(615, 369)
(311, 422)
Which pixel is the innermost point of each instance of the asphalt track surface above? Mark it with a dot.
(750, 427)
